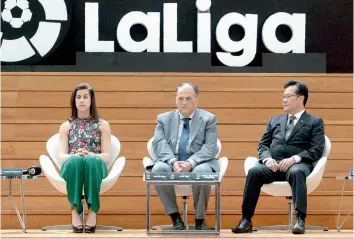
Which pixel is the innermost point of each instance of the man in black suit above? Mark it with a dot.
(287, 150)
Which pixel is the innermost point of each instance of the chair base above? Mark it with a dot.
(170, 227)
(109, 228)
(57, 227)
(289, 228)
(69, 227)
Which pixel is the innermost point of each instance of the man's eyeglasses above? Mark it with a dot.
(288, 96)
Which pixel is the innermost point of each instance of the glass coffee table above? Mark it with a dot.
(167, 229)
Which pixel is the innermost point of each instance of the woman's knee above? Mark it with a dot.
(92, 160)
(75, 160)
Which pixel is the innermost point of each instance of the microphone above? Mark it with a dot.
(32, 171)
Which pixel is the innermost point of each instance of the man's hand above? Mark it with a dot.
(285, 164)
(177, 167)
(186, 166)
(272, 164)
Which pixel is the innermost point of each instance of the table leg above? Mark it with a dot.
(339, 210)
(22, 221)
(23, 206)
(340, 206)
(218, 209)
(148, 208)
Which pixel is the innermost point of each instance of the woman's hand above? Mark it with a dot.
(85, 152)
(82, 152)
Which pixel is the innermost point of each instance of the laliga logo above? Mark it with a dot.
(151, 21)
(31, 29)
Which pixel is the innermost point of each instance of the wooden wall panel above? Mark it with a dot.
(35, 104)
(224, 116)
(230, 203)
(143, 132)
(134, 185)
(52, 81)
(134, 166)
(137, 150)
(167, 99)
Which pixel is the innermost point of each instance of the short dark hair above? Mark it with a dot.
(301, 89)
(194, 86)
(93, 109)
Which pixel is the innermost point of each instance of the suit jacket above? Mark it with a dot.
(306, 140)
(202, 142)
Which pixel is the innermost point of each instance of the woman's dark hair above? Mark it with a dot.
(93, 109)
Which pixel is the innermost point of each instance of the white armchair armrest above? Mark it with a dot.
(147, 162)
(113, 175)
(51, 173)
(250, 163)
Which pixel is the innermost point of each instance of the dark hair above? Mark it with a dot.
(93, 109)
(194, 86)
(301, 89)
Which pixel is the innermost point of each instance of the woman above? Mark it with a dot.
(85, 146)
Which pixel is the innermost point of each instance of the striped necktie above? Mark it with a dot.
(290, 126)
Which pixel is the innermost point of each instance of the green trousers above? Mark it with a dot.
(84, 173)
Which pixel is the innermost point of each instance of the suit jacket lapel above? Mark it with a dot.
(196, 123)
(174, 126)
(304, 117)
(283, 123)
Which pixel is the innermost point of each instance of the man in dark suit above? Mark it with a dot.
(186, 140)
(292, 142)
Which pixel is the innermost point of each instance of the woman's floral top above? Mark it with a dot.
(84, 133)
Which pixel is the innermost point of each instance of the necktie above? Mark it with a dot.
(290, 126)
(183, 141)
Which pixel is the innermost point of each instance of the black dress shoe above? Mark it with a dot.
(244, 226)
(78, 229)
(200, 225)
(178, 224)
(90, 229)
(299, 227)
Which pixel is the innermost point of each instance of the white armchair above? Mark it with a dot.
(284, 189)
(116, 165)
(184, 191)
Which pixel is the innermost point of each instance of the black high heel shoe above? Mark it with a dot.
(78, 229)
(90, 229)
